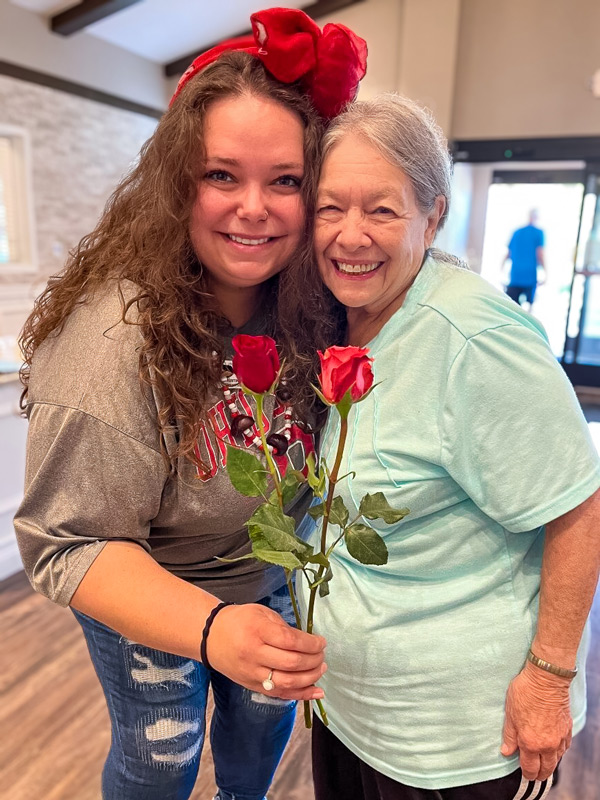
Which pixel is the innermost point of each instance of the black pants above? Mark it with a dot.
(517, 292)
(340, 775)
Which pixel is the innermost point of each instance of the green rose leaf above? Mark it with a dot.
(246, 472)
(324, 585)
(375, 506)
(313, 480)
(366, 545)
(283, 559)
(257, 538)
(289, 486)
(320, 559)
(338, 515)
(239, 558)
(317, 510)
(277, 529)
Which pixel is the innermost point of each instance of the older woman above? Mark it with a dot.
(455, 670)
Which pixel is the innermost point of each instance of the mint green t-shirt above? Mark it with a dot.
(476, 429)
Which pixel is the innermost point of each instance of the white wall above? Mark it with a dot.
(428, 48)
(524, 67)
(13, 432)
(26, 40)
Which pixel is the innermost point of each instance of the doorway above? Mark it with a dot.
(555, 197)
(581, 358)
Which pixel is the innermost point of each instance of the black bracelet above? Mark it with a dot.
(209, 621)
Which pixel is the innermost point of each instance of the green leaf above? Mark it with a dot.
(366, 394)
(239, 558)
(283, 559)
(320, 559)
(289, 486)
(324, 585)
(297, 473)
(338, 515)
(320, 490)
(277, 529)
(246, 472)
(366, 545)
(257, 538)
(313, 479)
(320, 394)
(375, 506)
(317, 510)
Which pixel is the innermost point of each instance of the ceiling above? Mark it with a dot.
(164, 31)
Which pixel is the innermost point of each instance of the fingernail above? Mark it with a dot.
(323, 669)
(318, 694)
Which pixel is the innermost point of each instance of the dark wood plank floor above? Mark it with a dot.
(54, 725)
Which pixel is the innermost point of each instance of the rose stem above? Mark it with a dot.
(263, 437)
(275, 474)
(332, 481)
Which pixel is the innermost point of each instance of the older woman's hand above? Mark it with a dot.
(538, 721)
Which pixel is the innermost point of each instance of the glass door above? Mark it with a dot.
(581, 359)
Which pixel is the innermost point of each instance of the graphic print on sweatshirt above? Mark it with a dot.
(215, 435)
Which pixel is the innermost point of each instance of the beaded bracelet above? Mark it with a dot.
(209, 621)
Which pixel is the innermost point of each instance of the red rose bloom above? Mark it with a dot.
(345, 369)
(256, 362)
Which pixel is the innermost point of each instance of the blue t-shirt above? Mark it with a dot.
(523, 253)
(476, 429)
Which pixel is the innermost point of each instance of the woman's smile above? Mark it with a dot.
(246, 244)
(356, 270)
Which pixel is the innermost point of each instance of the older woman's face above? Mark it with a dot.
(370, 235)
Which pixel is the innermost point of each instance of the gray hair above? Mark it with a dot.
(406, 135)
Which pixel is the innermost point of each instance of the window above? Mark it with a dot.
(17, 252)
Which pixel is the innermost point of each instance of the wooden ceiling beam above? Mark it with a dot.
(85, 13)
(315, 10)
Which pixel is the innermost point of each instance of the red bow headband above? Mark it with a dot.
(292, 47)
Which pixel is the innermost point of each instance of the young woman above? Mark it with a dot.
(127, 501)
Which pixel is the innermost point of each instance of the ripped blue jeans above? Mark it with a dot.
(157, 706)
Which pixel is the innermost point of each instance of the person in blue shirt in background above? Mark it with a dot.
(526, 252)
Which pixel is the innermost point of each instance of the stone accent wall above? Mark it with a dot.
(79, 151)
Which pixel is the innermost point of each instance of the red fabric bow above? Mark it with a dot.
(329, 63)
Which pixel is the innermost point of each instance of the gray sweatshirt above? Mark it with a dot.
(95, 472)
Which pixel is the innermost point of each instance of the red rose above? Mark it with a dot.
(345, 369)
(256, 362)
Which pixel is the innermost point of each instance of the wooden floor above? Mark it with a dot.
(54, 725)
(54, 728)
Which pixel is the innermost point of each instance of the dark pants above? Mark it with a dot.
(516, 293)
(338, 773)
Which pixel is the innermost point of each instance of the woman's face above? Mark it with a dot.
(370, 235)
(248, 215)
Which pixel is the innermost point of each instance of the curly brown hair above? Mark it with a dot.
(143, 237)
